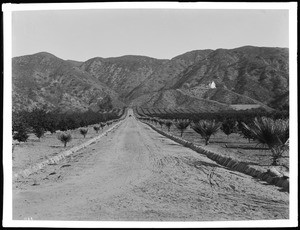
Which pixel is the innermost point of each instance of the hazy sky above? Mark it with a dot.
(83, 34)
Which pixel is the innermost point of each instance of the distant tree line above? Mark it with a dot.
(40, 120)
(239, 115)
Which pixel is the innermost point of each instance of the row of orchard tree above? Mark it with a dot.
(238, 115)
(41, 120)
(271, 131)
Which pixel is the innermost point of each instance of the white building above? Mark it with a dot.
(212, 85)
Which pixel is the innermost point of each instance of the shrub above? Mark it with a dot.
(168, 124)
(83, 132)
(206, 128)
(65, 138)
(182, 125)
(96, 128)
(271, 133)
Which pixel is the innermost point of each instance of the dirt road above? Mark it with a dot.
(134, 174)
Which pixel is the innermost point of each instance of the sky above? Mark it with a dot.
(159, 33)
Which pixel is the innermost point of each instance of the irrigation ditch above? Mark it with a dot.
(271, 176)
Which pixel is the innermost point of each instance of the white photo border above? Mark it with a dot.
(7, 113)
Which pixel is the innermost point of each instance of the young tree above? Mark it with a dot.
(161, 122)
(245, 132)
(38, 131)
(182, 125)
(62, 124)
(206, 128)
(20, 133)
(272, 133)
(102, 125)
(96, 128)
(83, 123)
(155, 120)
(38, 121)
(51, 123)
(83, 132)
(169, 124)
(229, 126)
(19, 119)
(64, 137)
(20, 126)
(71, 122)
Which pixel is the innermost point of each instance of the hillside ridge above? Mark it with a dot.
(244, 75)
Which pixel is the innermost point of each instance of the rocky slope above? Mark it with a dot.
(245, 75)
(43, 79)
(251, 73)
(122, 74)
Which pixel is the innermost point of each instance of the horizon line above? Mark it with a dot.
(68, 59)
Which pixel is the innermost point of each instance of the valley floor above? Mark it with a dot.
(136, 174)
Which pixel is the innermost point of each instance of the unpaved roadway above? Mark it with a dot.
(135, 174)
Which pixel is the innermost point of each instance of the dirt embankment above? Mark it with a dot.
(135, 173)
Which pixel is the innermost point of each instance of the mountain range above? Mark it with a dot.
(243, 76)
